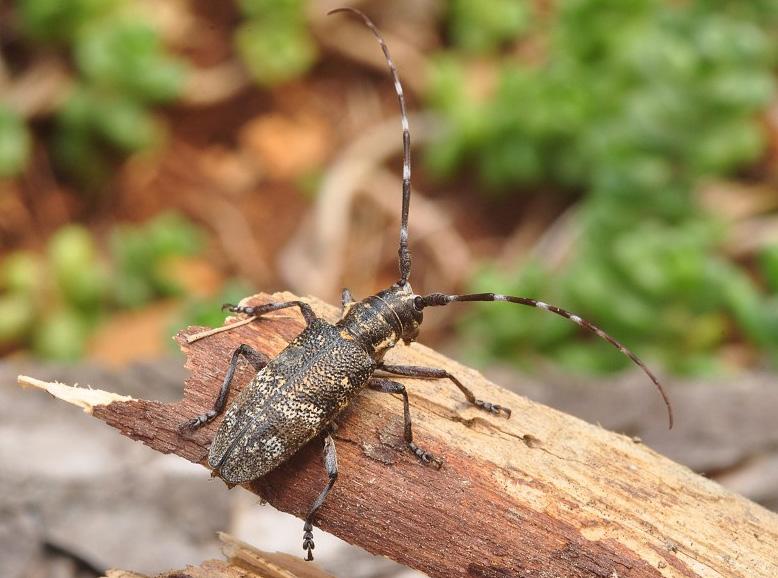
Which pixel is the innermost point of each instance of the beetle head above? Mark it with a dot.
(403, 302)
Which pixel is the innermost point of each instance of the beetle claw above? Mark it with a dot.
(188, 426)
(425, 457)
(308, 541)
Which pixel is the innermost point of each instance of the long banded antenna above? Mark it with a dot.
(403, 252)
(440, 299)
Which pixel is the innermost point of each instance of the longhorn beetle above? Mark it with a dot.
(298, 394)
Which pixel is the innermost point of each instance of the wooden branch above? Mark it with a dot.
(541, 494)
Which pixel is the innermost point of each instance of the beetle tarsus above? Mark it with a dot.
(388, 386)
(435, 373)
(308, 540)
(197, 422)
(330, 458)
(494, 408)
(425, 457)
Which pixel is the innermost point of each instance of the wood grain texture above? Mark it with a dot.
(540, 495)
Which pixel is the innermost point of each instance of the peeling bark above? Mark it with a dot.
(541, 494)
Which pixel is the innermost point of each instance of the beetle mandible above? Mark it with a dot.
(297, 395)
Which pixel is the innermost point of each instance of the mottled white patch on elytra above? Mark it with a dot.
(499, 297)
(273, 447)
(541, 305)
(576, 319)
(398, 87)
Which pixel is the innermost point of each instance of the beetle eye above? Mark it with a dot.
(418, 303)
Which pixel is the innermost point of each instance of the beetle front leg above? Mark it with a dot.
(389, 386)
(331, 465)
(254, 357)
(346, 299)
(260, 310)
(431, 372)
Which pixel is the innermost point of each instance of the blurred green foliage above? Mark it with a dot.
(53, 302)
(274, 40)
(14, 143)
(476, 29)
(121, 70)
(141, 255)
(208, 312)
(629, 103)
(635, 103)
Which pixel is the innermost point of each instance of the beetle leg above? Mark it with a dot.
(254, 357)
(431, 372)
(346, 299)
(331, 465)
(389, 386)
(259, 310)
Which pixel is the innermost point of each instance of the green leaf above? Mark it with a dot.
(60, 21)
(125, 124)
(17, 315)
(127, 56)
(275, 53)
(15, 143)
(80, 275)
(768, 264)
(61, 335)
(22, 272)
(142, 253)
(277, 10)
(482, 26)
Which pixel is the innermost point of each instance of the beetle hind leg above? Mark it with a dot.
(389, 386)
(331, 465)
(433, 373)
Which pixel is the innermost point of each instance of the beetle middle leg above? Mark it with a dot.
(431, 372)
(389, 386)
(254, 357)
(331, 465)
